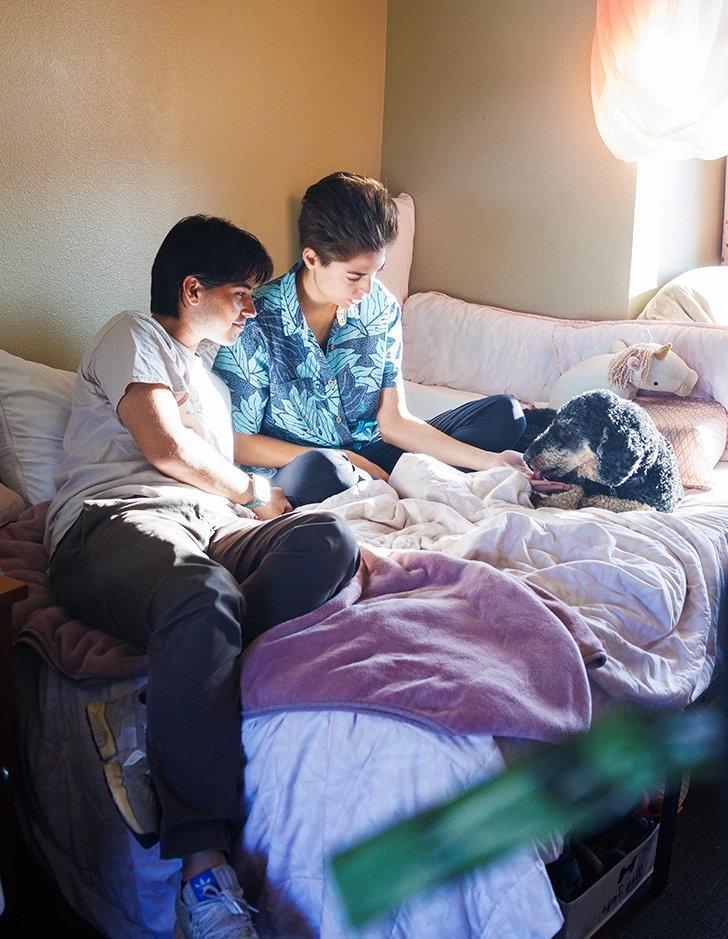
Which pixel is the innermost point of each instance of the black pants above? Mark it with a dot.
(160, 574)
(495, 423)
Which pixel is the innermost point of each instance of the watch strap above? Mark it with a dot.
(261, 492)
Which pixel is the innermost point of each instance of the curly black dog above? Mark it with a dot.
(611, 451)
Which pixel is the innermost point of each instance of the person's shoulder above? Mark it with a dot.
(126, 331)
(134, 323)
(384, 297)
(380, 306)
(268, 298)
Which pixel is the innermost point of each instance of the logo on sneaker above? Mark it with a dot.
(205, 886)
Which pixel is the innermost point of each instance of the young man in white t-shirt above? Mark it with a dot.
(158, 538)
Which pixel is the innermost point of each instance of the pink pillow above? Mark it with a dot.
(396, 271)
(696, 428)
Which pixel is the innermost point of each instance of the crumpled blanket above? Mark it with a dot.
(649, 584)
(451, 643)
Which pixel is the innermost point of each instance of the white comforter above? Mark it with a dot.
(649, 583)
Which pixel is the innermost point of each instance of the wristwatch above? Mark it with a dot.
(261, 492)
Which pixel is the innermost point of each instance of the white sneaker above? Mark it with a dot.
(211, 906)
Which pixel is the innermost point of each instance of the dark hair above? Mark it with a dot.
(343, 215)
(211, 249)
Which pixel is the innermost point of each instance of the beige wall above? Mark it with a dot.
(118, 119)
(488, 123)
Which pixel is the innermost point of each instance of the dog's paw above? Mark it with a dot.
(570, 498)
(614, 504)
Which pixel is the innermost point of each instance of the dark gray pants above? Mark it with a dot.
(159, 574)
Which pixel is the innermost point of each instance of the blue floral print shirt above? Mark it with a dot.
(283, 384)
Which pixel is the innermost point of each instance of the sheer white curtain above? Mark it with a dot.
(660, 78)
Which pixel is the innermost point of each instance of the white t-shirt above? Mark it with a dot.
(101, 460)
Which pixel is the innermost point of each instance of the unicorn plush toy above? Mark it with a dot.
(646, 366)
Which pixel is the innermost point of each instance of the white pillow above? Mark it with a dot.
(427, 401)
(35, 404)
(396, 272)
(697, 296)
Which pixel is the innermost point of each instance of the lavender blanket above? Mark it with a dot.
(454, 644)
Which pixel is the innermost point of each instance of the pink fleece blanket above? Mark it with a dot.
(454, 644)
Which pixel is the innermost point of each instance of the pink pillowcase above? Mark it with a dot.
(696, 428)
(396, 271)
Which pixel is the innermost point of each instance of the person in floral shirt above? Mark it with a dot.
(315, 379)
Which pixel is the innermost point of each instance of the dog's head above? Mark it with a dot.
(598, 436)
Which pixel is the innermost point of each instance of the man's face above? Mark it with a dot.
(346, 283)
(221, 312)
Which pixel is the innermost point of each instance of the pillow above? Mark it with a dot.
(35, 404)
(696, 428)
(427, 401)
(396, 272)
(697, 296)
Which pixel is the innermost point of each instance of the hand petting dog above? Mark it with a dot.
(538, 483)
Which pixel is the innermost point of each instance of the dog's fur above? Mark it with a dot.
(611, 451)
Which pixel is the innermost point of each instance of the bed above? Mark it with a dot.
(650, 587)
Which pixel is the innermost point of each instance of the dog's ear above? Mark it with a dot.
(618, 455)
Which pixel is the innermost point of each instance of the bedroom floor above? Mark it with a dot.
(695, 902)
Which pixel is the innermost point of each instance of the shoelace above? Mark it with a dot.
(234, 904)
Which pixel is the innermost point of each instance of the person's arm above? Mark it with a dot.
(151, 415)
(402, 429)
(261, 450)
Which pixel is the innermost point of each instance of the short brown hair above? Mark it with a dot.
(343, 215)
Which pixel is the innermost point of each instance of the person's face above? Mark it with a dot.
(345, 282)
(220, 313)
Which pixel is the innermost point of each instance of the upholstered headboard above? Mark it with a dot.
(485, 350)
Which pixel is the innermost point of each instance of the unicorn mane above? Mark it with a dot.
(619, 372)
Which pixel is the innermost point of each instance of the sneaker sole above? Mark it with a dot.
(104, 741)
(100, 729)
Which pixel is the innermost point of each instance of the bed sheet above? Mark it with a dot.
(314, 781)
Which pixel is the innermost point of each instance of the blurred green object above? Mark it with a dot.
(576, 788)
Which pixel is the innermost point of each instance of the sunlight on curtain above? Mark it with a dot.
(659, 76)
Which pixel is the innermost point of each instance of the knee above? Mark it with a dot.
(331, 467)
(509, 415)
(330, 540)
(506, 407)
(322, 459)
